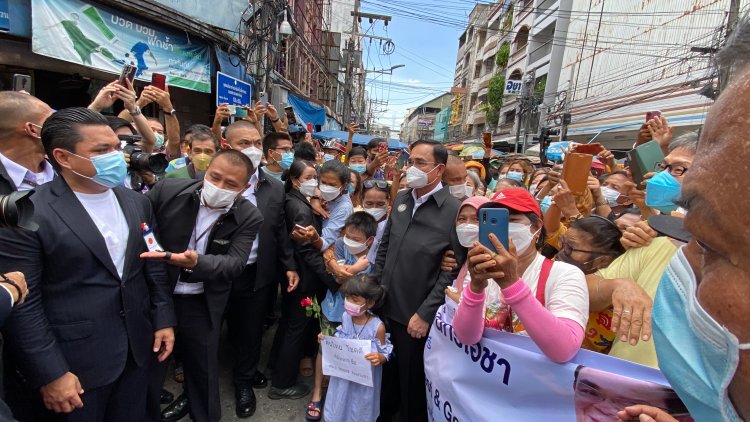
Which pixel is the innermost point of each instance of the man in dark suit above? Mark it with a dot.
(96, 313)
(210, 228)
(270, 258)
(419, 230)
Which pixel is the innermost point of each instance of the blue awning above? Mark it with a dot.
(226, 66)
(307, 112)
(358, 139)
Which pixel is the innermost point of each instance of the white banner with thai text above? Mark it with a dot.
(345, 358)
(506, 377)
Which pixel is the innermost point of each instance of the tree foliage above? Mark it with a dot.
(503, 55)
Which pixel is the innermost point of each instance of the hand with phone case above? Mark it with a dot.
(105, 97)
(496, 263)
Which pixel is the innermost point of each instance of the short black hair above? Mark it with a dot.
(117, 123)
(357, 151)
(439, 152)
(236, 158)
(240, 124)
(365, 189)
(365, 286)
(271, 141)
(61, 129)
(363, 222)
(295, 171)
(339, 169)
(205, 136)
(305, 151)
(374, 143)
(197, 128)
(603, 178)
(605, 236)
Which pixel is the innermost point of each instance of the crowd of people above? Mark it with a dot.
(150, 238)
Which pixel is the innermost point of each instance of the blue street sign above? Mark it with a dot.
(4, 16)
(232, 91)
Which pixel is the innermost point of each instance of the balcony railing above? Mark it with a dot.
(540, 52)
(517, 55)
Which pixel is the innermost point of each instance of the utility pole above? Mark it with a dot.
(732, 18)
(525, 104)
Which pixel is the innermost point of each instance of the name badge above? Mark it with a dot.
(402, 208)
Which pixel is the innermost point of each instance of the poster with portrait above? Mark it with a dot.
(506, 377)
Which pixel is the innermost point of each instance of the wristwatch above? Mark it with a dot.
(136, 112)
(171, 113)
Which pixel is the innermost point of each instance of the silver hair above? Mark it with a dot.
(476, 179)
(687, 141)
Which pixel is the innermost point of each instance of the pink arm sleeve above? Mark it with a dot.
(559, 338)
(468, 323)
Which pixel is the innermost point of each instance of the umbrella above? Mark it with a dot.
(477, 152)
(358, 138)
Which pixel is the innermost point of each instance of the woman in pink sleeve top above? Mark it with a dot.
(548, 301)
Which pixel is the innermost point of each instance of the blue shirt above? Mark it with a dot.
(340, 209)
(333, 304)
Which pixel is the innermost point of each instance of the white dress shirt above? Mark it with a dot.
(419, 201)
(250, 195)
(105, 211)
(25, 179)
(204, 222)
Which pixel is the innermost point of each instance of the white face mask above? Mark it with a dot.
(459, 191)
(521, 236)
(469, 191)
(377, 213)
(533, 187)
(216, 198)
(354, 247)
(467, 234)
(329, 193)
(611, 196)
(308, 187)
(416, 178)
(254, 154)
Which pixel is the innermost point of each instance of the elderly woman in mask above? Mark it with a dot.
(548, 301)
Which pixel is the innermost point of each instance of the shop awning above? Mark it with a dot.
(308, 112)
(358, 139)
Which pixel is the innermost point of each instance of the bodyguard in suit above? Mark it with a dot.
(270, 259)
(207, 229)
(97, 315)
(419, 230)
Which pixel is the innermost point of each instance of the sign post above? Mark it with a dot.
(232, 91)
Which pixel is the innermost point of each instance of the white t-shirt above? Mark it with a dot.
(565, 296)
(108, 217)
(204, 222)
(250, 195)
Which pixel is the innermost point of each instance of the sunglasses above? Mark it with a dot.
(370, 183)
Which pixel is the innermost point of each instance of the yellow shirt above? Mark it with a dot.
(645, 266)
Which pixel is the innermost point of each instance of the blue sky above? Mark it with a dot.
(429, 52)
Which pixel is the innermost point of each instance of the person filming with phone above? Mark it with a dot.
(548, 301)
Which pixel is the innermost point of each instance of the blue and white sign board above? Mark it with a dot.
(232, 91)
(4, 16)
(513, 87)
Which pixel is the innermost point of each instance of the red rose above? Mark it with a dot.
(306, 302)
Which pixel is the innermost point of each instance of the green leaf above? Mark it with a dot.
(308, 313)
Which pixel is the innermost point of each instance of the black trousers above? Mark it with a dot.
(289, 341)
(246, 312)
(403, 388)
(198, 342)
(122, 400)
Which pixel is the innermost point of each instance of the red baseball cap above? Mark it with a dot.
(515, 199)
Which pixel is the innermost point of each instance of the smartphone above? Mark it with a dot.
(22, 83)
(652, 114)
(160, 81)
(493, 220)
(576, 171)
(290, 117)
(593, 149)
(487, 139)
(240, 112)
(644, 159)
(297, 226)
(263, 98)
(383, 147)
(128, 71)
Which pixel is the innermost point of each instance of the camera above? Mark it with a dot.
(17, 210)
(142, 161)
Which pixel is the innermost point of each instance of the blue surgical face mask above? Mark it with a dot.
(287, 159)
(159, 140)
(111, 169)
(349, 189)
(661, 192)
(697, 355)
(515, 175)
(328, 157)
(545, 204)
(359, 168)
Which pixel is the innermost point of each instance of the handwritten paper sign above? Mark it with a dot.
(345, 358)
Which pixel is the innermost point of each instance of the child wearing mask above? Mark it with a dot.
(349, 401)
(351, 253)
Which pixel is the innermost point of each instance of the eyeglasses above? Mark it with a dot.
(371, 183)
(418, 162)
(675, 170)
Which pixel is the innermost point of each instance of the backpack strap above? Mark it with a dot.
(543, 277)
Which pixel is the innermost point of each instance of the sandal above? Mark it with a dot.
(306, 367)
(179, 373)
(313, 407)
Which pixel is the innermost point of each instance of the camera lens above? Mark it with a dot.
(17, 210)
(143, 161)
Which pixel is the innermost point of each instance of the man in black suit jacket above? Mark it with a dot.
(210, 228)
(420, 229)
(270, 259)
(96, 313)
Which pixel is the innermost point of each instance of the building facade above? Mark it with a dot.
(420, 121)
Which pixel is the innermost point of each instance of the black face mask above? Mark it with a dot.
(587, 267)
